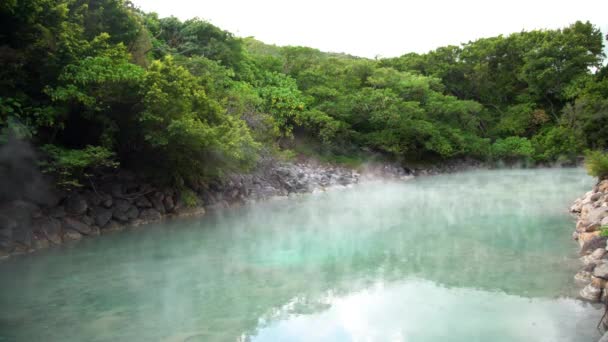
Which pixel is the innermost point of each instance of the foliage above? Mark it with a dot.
(604, 231)
(71, 167)
(186, 100)
(189, 198)
(512, 148)
(596, 163)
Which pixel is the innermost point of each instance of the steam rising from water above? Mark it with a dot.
(471, 256)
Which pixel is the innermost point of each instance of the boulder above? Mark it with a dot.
(591, 293)
(76, 225)
(583, 276)
(40, 242)
(591, 242)
(150, 215)
(168, 203)
(50, 228)
(101, 216)
(132, 213)
(597, 214)
(601, 270)
(71, 235)
(143, 202)
(122, 205)
(93, 198)
(593, 257)
(603, 186)
(76, 205)
(120, 215)
(112, 226)
(57, 212)
(596, 196)
(157, 201)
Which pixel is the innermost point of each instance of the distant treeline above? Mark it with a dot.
(96, 83)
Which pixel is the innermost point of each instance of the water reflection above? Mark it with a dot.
(418, 310)
(252, 273)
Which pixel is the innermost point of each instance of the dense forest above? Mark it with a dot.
(99, 83)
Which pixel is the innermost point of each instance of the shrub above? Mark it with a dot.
(596, 163)
(512, 148)
(70, 167)
(189, 198)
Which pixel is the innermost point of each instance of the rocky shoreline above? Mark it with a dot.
(591, 212)
(122, 200)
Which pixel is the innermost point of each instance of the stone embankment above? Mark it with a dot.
(119, 201)
(591, 211)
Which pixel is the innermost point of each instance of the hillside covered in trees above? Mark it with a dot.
(100, 83)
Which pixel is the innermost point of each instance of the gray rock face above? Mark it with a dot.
(75, 225)
(76, 205)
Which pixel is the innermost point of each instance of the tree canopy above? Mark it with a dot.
(186, 100)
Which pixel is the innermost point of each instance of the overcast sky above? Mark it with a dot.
(383, 28)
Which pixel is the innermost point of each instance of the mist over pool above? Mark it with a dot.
(473, 256)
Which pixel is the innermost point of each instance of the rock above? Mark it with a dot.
(597, 214)
(168, 203)
(157, 201)
(120, 215)
(101, 216)
(23, 235)
(40, 243)
(596, 196)
(594, 257)
(88, 220)
(604, 221)
(122, 205)
(116, 190)
(72, 235)
(50, 228)
(591, 293)
(132, 213)
(150, 215)
(57, 212)
(143, 202)
(601, 270)
(93, 198)
(591, 242)
(593, 226)
(75, 225)
(112, 226)
(603, 186)
(191, 211)
(76, 205)
(583, 276)
(108, 201)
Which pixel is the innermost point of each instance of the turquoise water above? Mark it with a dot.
(475, 256)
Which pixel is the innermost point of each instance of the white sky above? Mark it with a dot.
(385, 28)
